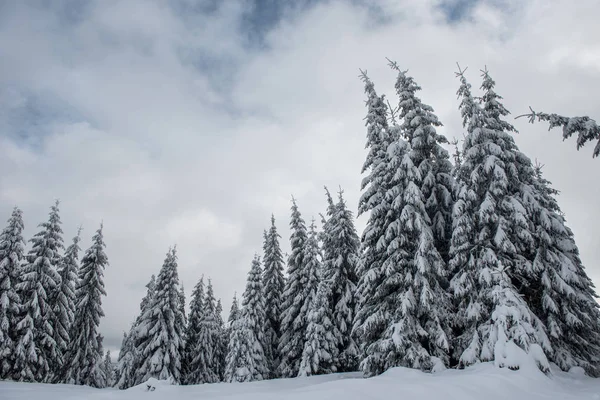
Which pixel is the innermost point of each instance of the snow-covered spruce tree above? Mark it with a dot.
(107, 368)
(246, 359)
(130, 359)
(126, 363)
(340, 256)
(208, 335)
(38, 283)
(561, 294)
(12, 248)
(491, 238)
(403, 306)
(293, 316)
(223, 342)
(137, 340)
(273, 285)
(193, 363)
(234, 311)
(160, 335)
(587, 129)
(64, 304)
(320, 353)
(429, 157)
(375, 185)
(85, 351)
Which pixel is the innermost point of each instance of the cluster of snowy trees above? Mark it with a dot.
(460, 262)
(297, 326)
(51, 305)
(468, 262)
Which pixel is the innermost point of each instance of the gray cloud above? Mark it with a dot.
(171, 128)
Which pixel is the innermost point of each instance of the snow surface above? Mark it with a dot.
(482, 381)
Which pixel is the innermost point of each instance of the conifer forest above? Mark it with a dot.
(466, 257)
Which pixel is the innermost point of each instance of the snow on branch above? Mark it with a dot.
(587, 129)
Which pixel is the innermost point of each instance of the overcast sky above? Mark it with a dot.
(189, 122)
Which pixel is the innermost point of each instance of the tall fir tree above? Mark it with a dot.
(432, 161)
(85, 353)
(64, 304)
(321, 347)
(273, 285)
(38, 282)
(206, 350)
(340, 257)
(160, 335)
(403, 306)
(222, 342)
(293, 312)
(491, 240)
(194, 363)
(12, 249)
(374, 201)
(246, 360)
(561, 294)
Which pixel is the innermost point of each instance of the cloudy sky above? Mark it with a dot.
(189, 122)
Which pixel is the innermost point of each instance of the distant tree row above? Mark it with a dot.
(285, 327)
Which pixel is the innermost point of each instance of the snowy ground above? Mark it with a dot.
(480, 382)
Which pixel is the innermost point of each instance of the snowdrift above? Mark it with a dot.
(483, 381)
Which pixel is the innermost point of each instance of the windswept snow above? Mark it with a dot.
(482, 381)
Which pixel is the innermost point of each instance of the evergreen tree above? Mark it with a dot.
(429, 157)
(206, 351)
(293, 310)
(193, 362)
(273, 285)
(321, 346)
(246, 359)
(587, 129)
(135, 338)
(403, 306)
(491, 239)
(99, 371)
(126, 363)
(223, 341)
(375, 185)
(64, 303)
(85, 352)
(38, 283)
(562, 295)
(234, 311)
(108, 370)
(340, 256)
(12, 248)
(160, 335)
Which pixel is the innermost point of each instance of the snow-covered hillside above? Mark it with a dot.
(483, 381)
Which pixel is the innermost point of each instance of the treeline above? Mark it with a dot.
(459, 263)
(285, 327)
(50, 306)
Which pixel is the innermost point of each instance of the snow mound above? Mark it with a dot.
(481, 381)
(151, 385)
